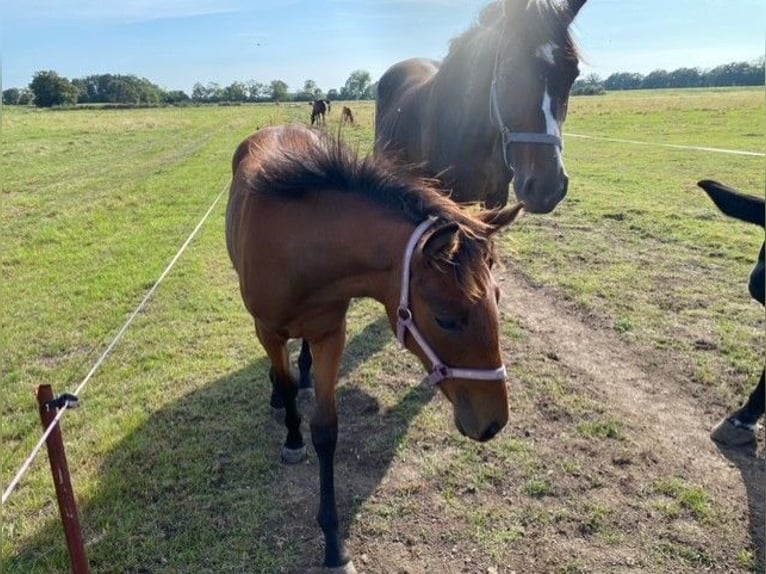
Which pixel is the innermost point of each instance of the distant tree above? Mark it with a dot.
(656, 79)
(278, 91)
(332, 94)
(357, 86)
(590, 85)
(210, 92)
(737, 74)
(309, 92)
(176, 97)
(236, 92)
(256, 91)
(50, 89)
(118, 89)
(686, 78)
(623, 81)
(17, 97)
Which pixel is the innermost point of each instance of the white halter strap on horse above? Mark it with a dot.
(405, 322)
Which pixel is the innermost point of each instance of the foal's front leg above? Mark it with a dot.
(324, 435)
(294, 449)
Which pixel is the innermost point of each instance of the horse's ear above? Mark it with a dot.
(574, 6)
(734, 203)
(497, 219)
(442, 243)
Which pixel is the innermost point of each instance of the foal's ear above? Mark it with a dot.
(497, 219)
(442, 243)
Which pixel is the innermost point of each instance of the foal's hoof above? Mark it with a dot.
(348, 568)
(293, 455)
(730, 433)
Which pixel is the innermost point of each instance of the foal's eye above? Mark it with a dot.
(448, 323)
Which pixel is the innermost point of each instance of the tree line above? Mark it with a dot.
(49, 89)
(725, 75)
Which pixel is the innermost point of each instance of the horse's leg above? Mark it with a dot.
(324, 435)
(304, 366)
(741, 426)
(294, 449)
(749, 414)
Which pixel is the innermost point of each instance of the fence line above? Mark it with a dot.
(674, 146)
(28, 462)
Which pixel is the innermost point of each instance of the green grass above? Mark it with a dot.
(173, 450)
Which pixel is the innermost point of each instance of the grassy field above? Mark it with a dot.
(174, 450)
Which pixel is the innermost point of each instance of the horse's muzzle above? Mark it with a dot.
(541, 195)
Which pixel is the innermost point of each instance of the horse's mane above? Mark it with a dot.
(296, 168)
(543, 20)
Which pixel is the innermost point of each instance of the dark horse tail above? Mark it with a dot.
(735, 204)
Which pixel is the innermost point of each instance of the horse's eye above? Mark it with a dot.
(448, 323)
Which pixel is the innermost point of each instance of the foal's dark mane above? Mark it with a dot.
(296, 170)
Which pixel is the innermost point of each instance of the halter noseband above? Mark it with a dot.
(405, 322)
(507, 136)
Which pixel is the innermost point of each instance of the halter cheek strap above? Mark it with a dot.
(508, 137)
(405, 322)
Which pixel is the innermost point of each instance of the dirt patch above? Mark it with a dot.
(606, 465)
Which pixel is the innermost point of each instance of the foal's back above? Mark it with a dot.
(261, 150)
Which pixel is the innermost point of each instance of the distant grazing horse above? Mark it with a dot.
(741, 426)
(493, 110)
(346, 115)
(309, 227)
(318, 110)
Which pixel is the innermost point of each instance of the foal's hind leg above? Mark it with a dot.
(294, 449)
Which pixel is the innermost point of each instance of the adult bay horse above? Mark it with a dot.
(493, 110)
(309, 226)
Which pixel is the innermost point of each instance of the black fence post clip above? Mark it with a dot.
(67, 400)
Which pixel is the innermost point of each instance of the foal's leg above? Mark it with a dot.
(324, 435)
(749, 414)
(294, 449)
(304, 366)
(741, 427)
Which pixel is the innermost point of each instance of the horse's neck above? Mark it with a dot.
(458, 114)
(369, 263)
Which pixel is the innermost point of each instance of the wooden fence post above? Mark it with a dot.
(62, 482)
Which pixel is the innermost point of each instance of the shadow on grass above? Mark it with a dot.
(199, 487)
(753, 471)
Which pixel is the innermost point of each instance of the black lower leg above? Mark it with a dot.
(304, 365)
(324, 440)
(277, 401)
(287, 391)
(750, 413)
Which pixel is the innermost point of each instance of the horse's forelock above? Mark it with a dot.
(469, 263)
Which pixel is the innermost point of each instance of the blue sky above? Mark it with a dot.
(175, 43)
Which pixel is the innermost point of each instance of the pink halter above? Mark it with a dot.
(439, 371)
